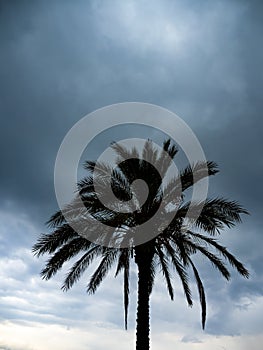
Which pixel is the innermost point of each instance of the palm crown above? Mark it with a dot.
(173, 245)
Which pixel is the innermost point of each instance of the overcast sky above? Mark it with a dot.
(60, 60)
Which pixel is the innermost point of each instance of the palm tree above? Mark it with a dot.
(172, 248)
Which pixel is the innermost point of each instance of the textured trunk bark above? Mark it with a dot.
(143, 307)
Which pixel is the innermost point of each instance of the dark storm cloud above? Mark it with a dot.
(60, 62)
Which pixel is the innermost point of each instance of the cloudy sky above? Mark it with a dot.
(60, 60)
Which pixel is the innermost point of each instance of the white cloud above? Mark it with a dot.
(38, 336)
(43, 316)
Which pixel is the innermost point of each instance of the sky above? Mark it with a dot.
(61, 60)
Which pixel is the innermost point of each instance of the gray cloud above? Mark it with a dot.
(59, 62)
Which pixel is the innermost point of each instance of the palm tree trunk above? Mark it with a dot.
(143, 307)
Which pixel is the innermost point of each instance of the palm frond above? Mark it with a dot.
(80, 266)
(196, 172)
(85, 186)
(108, 258)
(50, 242)
(56, 219)
(124, 264)
(152, 274)
(223, 250)
(182, 273)
(149, 153)
(101, 169)
(219, 212)
(188, 177)
(165, 270)
(126, 290)
(66, 252)
(215, 260)
(201, 291)
(166, 157)
(123, 152)
(171, 149)
(182, 247)
(89, 165)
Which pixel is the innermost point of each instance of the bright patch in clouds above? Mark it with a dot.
(38, 336)
(144, 28)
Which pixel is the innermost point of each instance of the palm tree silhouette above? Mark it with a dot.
(173, 246)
